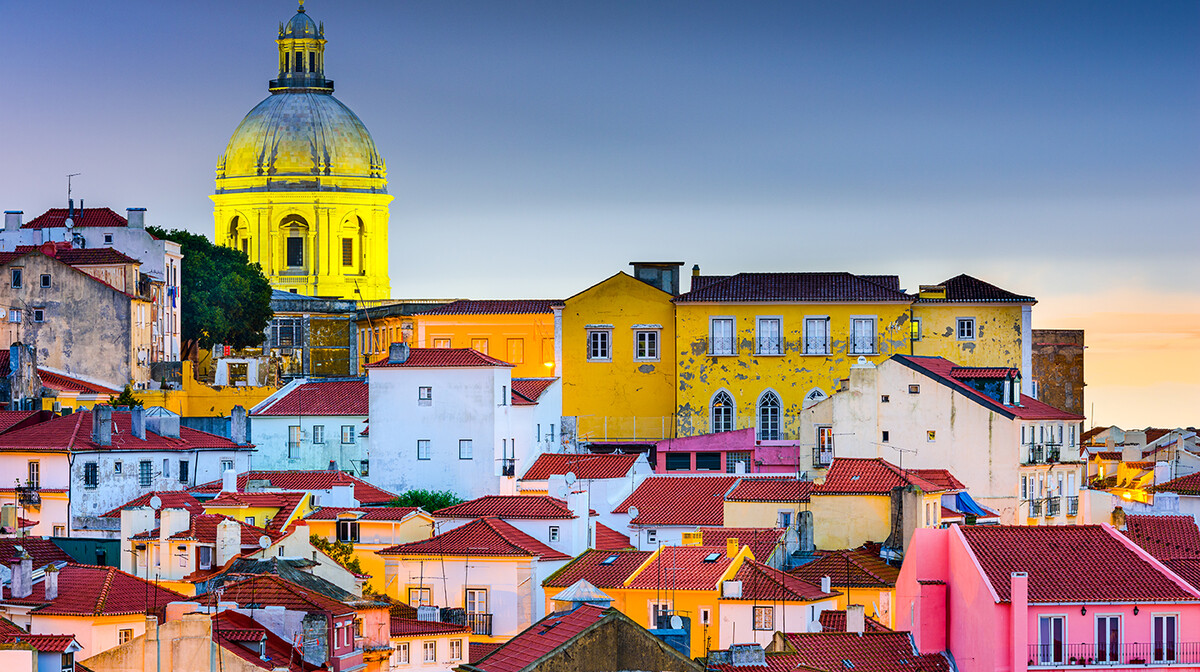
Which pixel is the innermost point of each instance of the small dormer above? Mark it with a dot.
(932, 292)
(661, 274)
(998, 383)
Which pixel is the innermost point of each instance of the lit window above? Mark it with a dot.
(764, 618)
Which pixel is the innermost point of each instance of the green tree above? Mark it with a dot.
(429, 500)
(126, 398)
(225, 299)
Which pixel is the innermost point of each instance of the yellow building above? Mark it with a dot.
(301, 188)
(371, 529)
(618, 369)
(271, 510)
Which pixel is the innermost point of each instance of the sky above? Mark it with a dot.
(537, 147)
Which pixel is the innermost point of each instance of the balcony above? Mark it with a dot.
(1053, 506)
(508, 467)
(1044, 453)
(721, 346)
(1035, 508)
(1048, 656)
(1072, 506)
(768, 345)
(29, 496)
(480, 623)
(1037, 455)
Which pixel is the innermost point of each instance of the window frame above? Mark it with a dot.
(1046, 655)
(713, 351)
(758, 337)
(402, 653)
(318, 434)
(1155, 656)
(348, 431)
(91, 474)
(423, 443)
(959, 323)
(347, 251)
(732, 413)
(145, 473)
(429, 649)
(16, 277)
(775, 433)
(46, 282)
(350, 536)
(650, 337)
(184, 468)
(425, 394)
(424, 596)
(554, 534)
(1113, 653)
(764, 618)
(515, 355)
(469, 454)
(456, 649)
(851, 343)
(599, 344)
(39, 314)
(807, 338)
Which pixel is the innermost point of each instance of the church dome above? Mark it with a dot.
(300, 26)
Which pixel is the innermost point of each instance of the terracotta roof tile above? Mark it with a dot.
(494, 307)
(74, 432)
(454, 358)
(869, 652)
(490, 537)
(608, 539)
(1187, 569)
(384, 513)
(1071, 563)
(854, 568)
(307, 481)
(988, 372)
(1165, 537)
(86, 590)
(966, 289)
(541, 638)
(481, 649)
(834, 620)
(761, 540)
(585, 466)
(230, 628)
(684, 568)
(527, 391)
(876, 476)
(939, 368)
(41, 549)
(84, 217)
(286, 502)
(270, 590)
(1184, 485)
(596, 567)
(531, 507)
(203, 528)
(796, 287)
(10, 419)
(408, 627)
(770, 490)
(338, 397)
(763, 583)
(679, 500)
(41, 643)
(171, 499)
(53, 380)
(75, 256)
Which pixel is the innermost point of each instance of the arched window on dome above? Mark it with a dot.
(295, 231)
(233, 231)
(768, 416)
(722, 412)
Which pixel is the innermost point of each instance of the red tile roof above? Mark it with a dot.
(57, 381)
(86, 590)
(40, 643)
(538, 640)
(1108, 455)
(679, 500)
(203, 528)
(761, 540)
(608, 539)
(10, 419)
(231, 628)
(770, 490)
(337, 397)
(1187, 569)
(531, 507)
(1165, 537)
(527, 391)
(877, 476)
(385, 513)
(84, 217)
(481, 649)
(74, 256)
(585, 466)
(869, 652)
(408, 627)
(834, 620)
(805, 287)
(939, 368)
(1184, 485)
(41, 549)
(455, 358)
(74, 432)
(683, 568)
(854, 568)
(484, 537)
(270, 590)
(1071, 563)
(988, 372)
(494, 307)
(171, 499)
(590, 566)
(763, 583)
(286, 503)
(966, 289)
(307, 481)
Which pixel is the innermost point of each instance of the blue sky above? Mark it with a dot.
(534, 148)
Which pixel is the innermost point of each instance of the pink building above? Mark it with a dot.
(1040, 598)
(737, 451)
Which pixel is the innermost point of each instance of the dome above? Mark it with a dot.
(302, 134)
(300, 27)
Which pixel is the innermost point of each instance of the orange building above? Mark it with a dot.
(518, 331)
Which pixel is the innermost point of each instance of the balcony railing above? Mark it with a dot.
(1035, 508)
(1088, 655)
(1053, 506)
(822, 457)
(1044, 453)
(29, 496)
(720, 345)
(508, 467)
(1072, 506)
(480, 623)
(769, 345)
(1036, 455)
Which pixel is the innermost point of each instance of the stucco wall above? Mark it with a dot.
(270, 437)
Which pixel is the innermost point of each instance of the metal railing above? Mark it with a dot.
(480, 624)
(1044, 453)
(1072, 506)
(721, 345)
(1088, 654)
(1035, 508)
(508, 467)
(1053, 506)
(769, 345)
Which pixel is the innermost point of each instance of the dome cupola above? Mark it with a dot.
(301, 55)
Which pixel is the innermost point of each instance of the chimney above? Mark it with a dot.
(229, 541)
(1019, 614)
(137, 421)
(173, 521)
(398, 353)
(237, 425)
(136, 217)
(12, 220)
(826, 584)
(22, 574)
(50, 579)
(229, 481)
(581, 525)
(102, 425)
(696, 270)
(856, 618)
(731, 547)
(747, 655)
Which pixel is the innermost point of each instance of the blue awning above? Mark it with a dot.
(965, 504)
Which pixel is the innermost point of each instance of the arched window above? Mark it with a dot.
(233, 230)
(768, 417)
(722, 412)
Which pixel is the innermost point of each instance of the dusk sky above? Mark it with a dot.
(535, 148)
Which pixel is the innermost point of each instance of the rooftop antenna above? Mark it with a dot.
(71, 203)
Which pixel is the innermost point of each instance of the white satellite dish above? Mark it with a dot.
(570, 476)
(815, 626)
(156, 502)
(676, 623)
(68, 222)
(633, 512)
(264, 541)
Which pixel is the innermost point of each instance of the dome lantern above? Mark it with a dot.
(301, 55)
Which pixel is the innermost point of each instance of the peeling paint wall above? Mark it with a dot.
(998, 339)
(1058, 368)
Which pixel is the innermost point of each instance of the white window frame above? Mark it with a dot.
(402, 653)
(713, 351)
(766, 624)
(599, 344)
(808, 349)
(758, 335)
(776, 432)
(1174, 655)
(554, 533)
(850, 342)
(430, 651)
(469, 452)
(653, 339)
(348, 432)
(1104, 654)
(201, 561)
(318, 434)
(424, 596)
(423, 449)
(961, 322)
(1045, 653)
(425, 394)
(352, 530)
(651, 536)
(468, 602)
(456, 649)
(712, 419)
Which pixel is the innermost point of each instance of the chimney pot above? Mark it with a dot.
(826, 584)
(229, 481)
(695, 270)
(398, 353)
(50, 577)
(102, 425)
(136, 217)
(12, 220)
(856, 618)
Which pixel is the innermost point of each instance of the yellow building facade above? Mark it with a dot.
(301, 188)
(520, 332)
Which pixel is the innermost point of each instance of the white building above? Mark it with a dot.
(316, 424)
(101, 227)
(561, 524)
(447, 419)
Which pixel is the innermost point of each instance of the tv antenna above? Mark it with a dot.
(69, 184)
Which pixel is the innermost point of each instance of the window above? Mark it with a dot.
(966, 328)
(883, 399)
(1165, 630)
(862, 336)
(931, 435)
(441, 343)
(735, 459)
(16, 278)
(722, 412)
(769, 341)
(1024, 487)
(465, 449)
(348, 434)
(318, 432)
(246, 246)
(430, 651)
(312, 61)
(422, 449)
(916, 329)
(14, 315)
(347, 531)
(364, 468)
(825, 444)
(914, 389)
(784, 520)
(480, 345)
(39, 315)
(553, 533)
(402, 653)
(816, 335)
(768, 417)
(226, 465)
(1052, 639)
(477, 601)
(250, 520)
(45, 280)
(679, 461)
(124, 635)
(183, 471)
(764, 618)
(720, 336)
(1108, 639)
(651, 536)
(347, 251)
(516, 351)
(708, 462)
(108, 239)
(204, 555)
(424, 396)
(456, 649)
(885, 436)
(116, 467)
(705, 616)
(418, 597)
(35, 474)
(60, 530)
(295, 251)
(91, 474)
(1071, 435)
(145, 473)
(293, 441)
(646, 343)
(166, 472)
(599, 345)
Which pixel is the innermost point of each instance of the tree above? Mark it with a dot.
(429, 500)
(126, 398)
(225, 299)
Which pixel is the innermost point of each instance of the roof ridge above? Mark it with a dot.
(108, 581)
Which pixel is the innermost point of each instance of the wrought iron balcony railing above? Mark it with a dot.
(1053, 506)
(1035, 508)
(1072, 506)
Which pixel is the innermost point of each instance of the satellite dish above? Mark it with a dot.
(633, 512)
(570, 476)
(676, 623)
(264, 541)
(68, 222)
(156, 502)
(815, 626)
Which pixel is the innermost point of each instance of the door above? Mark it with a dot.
(1108, 638)
(1052, 639)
